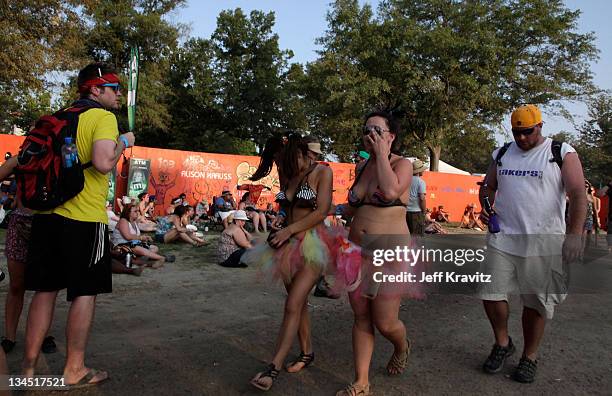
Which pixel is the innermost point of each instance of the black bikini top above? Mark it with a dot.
(378, 197)
(305, 196)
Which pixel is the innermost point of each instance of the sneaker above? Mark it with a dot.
(48, 345)
(7, 344)
(525, 371)
(497, 357)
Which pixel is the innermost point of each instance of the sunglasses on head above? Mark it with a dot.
(524, 132)
(114, 86)
(367, 129)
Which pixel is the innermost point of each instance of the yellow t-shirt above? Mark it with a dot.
(90, 204)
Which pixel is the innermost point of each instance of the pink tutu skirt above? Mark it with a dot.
(316, 249)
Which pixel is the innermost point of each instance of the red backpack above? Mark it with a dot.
(43, 183)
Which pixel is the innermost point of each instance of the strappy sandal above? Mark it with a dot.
(270, 372)
(355, 390)
(399, 363)
(306, 358)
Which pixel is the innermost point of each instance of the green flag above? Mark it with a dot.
(132, 88)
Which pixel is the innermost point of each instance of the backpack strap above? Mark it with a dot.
(72, 113)
(501, 152)
(555, 148)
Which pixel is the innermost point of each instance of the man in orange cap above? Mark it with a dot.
(527, 188)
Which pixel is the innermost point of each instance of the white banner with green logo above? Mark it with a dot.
(132, 88)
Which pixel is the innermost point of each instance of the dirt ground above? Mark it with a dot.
(195, 328)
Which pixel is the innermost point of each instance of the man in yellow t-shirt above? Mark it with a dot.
(69, 246)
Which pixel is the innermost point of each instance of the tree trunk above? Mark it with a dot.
(434, 157)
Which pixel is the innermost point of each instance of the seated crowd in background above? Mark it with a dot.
(127, 233)
(178, 227)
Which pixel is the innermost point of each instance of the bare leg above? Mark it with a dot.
(80, 317)
(14, 298)
(498, 312)
(385, 314)
(363, 336)
(118, 268)
(171, 236)
(533, 330)
(301, 285)
(262, 221)
(141, 251)
(40, 315)
(303, 338)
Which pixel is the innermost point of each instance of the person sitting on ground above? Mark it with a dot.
(145, 204)
(441, 215)
(121, 202)
(234, 241)
(118, 259)
(224, 205)
(431, 226)
(128, 233)
(183, 198)
(113, 219)
(470, 219)
(173, 205)
(254, 214)
(270, 214)
(171, 228)
(202, 209)
(258, 218)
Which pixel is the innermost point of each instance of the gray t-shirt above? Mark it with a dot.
(416, 187)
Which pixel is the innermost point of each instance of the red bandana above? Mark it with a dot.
(109, 78)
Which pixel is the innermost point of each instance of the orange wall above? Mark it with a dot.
(204, 175)
(452, 191)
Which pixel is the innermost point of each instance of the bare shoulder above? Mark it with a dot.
(398, 162)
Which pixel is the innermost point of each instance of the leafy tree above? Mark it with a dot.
(451, 66)
(114, 26)
(37, 37)
(345, 81)
(249, 67)
(469, 149)
(196, 115)
(594, 143)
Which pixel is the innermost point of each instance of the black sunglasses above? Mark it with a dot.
(525, 132)
(374, 128)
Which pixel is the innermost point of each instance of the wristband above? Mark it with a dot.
(124, 140)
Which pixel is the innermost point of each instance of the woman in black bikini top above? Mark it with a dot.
(298, 253)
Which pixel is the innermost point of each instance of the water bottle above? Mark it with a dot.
(493, 221)
(128, 260)
(69, 153)
(206, 229)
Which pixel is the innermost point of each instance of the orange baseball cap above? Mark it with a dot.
(526, 116)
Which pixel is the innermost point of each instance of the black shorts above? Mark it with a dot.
(68, 254)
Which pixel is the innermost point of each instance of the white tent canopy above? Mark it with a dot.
(444, 167)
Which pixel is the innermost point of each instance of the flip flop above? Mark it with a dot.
(86, 380)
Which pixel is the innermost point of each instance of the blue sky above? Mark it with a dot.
(299, 23)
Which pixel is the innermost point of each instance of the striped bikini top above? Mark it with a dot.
(305, 196)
